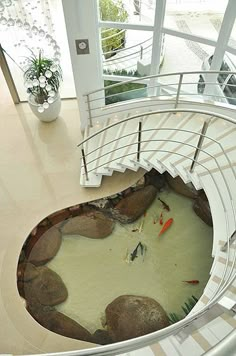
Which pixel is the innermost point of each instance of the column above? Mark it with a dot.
(81, 17)
(222, 42)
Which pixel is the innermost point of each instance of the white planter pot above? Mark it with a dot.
(49, 114)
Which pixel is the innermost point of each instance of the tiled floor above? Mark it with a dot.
(39, 174)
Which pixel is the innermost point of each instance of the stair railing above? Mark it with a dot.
(139, 139)
(153, 82)
(228, 275)
(200, 143)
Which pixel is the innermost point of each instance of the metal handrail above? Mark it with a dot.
(130, 47)
(193, 160)
(114, 35)
(160, 76)
(133, 117)
(105, 62)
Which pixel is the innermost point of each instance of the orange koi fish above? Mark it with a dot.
(166, 226)
(161, 219)
(193, 281)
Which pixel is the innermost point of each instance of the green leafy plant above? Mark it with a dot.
(123, 92)
(187, 307)
(112, 38)
(42, 78)
(123, 72)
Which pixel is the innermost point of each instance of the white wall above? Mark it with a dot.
(82, 23)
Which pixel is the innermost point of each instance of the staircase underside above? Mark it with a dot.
(168, 142)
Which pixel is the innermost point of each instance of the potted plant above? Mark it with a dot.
(42, 80)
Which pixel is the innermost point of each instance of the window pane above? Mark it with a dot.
(194, 57)
(126, 52)
(124, 92)
(197, 17)
(131, 11)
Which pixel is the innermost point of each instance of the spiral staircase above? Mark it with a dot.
(193, 137)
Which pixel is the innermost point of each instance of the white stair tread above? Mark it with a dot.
(219, 328)
(93, 180)
(187, 347)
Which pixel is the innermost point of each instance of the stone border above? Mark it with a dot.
(127, 206)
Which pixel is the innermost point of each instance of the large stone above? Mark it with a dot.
(155, 178)
(134, 205)
(178, 185)
(26, 272)
(202, 208)
(47, 289)
(102, 337)
(93, 224)
(45, 248)
(59, 323)
(130, 316)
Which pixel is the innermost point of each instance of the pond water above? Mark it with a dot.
(95, 272)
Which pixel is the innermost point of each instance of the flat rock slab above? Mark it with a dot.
(134, 205)
(202, 209)
(178, 185)
(93, 224)
(46, 289)
(45, 248)
(59, 323)
(26, 272)
(130, 316)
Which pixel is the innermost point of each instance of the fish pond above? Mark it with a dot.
(96, 271)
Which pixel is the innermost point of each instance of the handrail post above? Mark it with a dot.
(141, 52)
(231, 240)
(139, 139)
(178, 90)
(85, 164)
(199, 144)
(89, 111)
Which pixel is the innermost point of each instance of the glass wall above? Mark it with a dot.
(197, 17)
(130, 11)
(129, 54)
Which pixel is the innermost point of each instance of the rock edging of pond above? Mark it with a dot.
(202, 208)
(59, 323)
(93, 224)
(130, 316)
(131, 207)
(178, 185)
(42, 249)
(47, 288)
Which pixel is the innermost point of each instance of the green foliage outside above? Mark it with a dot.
(122, 72)
(122, 92)
(187, 307)
(111, 10)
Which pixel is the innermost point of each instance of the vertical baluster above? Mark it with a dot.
(200, 143)
(89, 111)
(85, 164)
(139, 139)
(178, 90)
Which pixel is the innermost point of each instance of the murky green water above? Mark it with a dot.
(95, 271)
